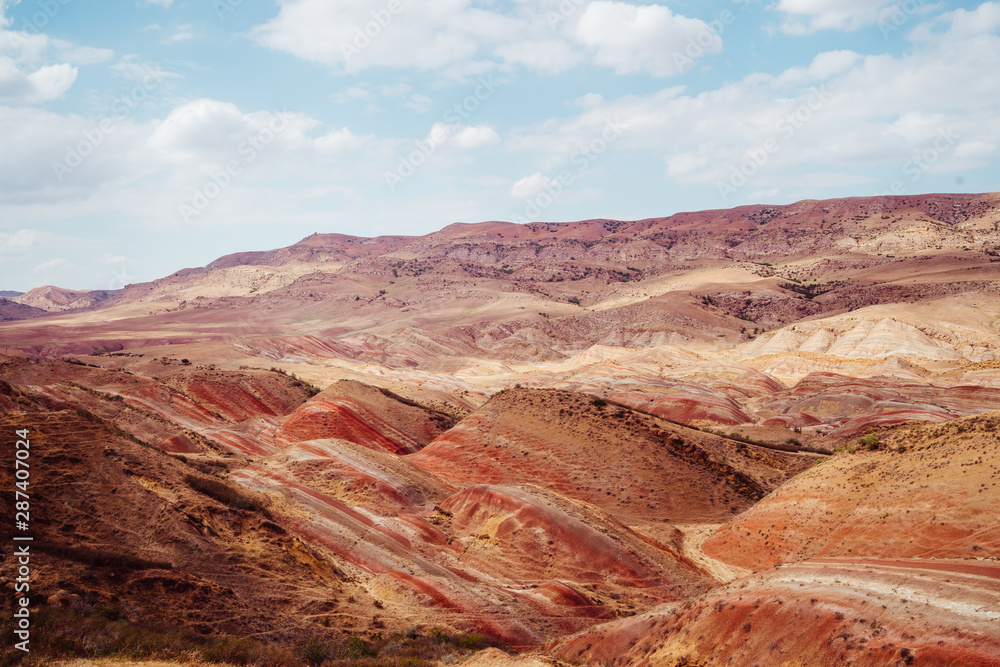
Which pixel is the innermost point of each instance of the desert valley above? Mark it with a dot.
(768, 435)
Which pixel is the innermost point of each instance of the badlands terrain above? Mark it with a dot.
(759, 436)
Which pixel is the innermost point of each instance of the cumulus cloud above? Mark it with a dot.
(837, 120)
(456, 35)
(548, 56)
(478, 136)
(339, 141)
(355, 35)
(35, 68)
(529, 186)
(804, 17)
(46, 83)
(18, 242)
(644, 38)
(201, 127)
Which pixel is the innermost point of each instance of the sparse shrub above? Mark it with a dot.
(101, 558)
(472, 641)
(793, 441)
(869, 442)
(315, 652)
(222, 492)
(598, 402)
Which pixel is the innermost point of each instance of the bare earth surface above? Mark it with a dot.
(767, 435)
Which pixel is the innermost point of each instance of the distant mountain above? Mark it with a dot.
(10, 293)
(57, 299)
(11, 310)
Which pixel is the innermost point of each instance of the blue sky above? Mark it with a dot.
(140, 138)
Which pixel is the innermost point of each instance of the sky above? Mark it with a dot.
(138, 138)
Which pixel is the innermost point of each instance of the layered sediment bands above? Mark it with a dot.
(929, 491)
(635, 466)
(531, 463)
(359, 475)
(236, 397)
(119, 523)
(368, 416)
(841, 406)
(866, 612)
(534, 539)
(433, 552)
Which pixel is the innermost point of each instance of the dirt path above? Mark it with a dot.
(695, 535)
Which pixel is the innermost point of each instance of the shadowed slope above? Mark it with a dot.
(635, 466)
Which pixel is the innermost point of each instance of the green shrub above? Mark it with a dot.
(869, 442)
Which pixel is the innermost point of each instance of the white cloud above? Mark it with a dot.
(46, 83)
(823, 66)
(81, 55)
(339, 141)
(160, 3)
(51, 264)
(458, 36)
(427, 35)
(644, 38)
(804, 17)
(419, 103)
(974, 149)
(353, 94)
(35, 68)
(133, 69)
(529, 186)
(549, 56)
(842, 119)
(478, 136)
(182, 34)
(589, 101)
(198, 128)
(19, 242)
(984, 19)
